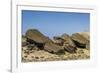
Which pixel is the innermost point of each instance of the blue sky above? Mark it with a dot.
(55, 23)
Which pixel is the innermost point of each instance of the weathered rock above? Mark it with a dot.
(68, 44)
(85, 35)
(69, 48)
(53, 48)
(35, 36)
(57, 40)
(79, 40)
(68, 40)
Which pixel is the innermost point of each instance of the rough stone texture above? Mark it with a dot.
(58, 40)
(85, 35)
(79, 40)
(66, 42)
(53, 48)
(69, 48)
(35, 36)
(36, 47)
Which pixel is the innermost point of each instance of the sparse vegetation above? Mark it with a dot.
(37, 47)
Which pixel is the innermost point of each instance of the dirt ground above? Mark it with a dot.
(41, 55)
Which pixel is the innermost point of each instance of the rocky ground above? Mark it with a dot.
(36, 47)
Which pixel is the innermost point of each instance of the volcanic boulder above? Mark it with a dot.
(53, 48)
(41, 41)
(85, 35)
(68, 43)
(79, 40)
(58, 40)
(35, 36)
(68, 40)
(69, 48)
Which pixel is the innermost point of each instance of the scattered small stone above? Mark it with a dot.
(37, 57)
(37, 47)
(25, 56)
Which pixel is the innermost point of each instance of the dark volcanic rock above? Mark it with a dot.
(35, 36)
(53, 48)
(79, 40)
